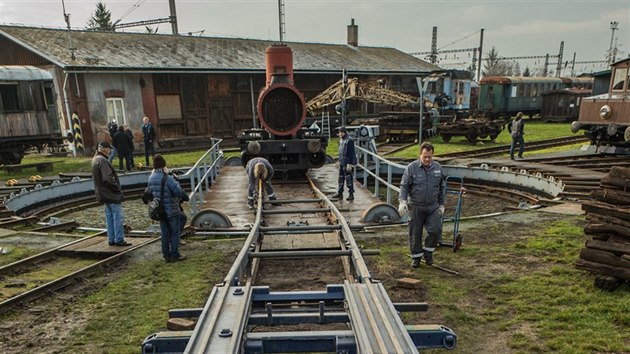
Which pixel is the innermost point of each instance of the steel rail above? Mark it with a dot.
(60, 282)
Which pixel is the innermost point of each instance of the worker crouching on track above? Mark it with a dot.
(422, 190)
(166, 188)
(259, 168)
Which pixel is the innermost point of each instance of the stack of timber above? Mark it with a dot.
(607, 251)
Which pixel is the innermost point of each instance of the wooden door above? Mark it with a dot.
(221, 117)
(194, 104)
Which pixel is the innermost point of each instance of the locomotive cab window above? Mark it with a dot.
(9, 98)
(116, 110)
(619, 79)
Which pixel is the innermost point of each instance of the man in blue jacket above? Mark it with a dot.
(168, 191)
(347, 161)
(422, 190)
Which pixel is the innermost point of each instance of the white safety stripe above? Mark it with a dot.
(272, 195)
(417, 255)
(429, 249)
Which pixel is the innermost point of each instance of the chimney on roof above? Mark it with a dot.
(353, 34)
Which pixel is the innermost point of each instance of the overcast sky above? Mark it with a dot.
(513, 27)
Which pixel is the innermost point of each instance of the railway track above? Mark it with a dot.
(31, 278)
(256, 307)
(503, 149)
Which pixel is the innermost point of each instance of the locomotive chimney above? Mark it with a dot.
(353, 34)
(279, 62)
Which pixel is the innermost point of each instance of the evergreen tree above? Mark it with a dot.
(101, 20)
(494, 65)
(527, 72)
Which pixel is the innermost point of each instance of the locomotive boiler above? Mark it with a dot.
(281, 110)
(605, 118)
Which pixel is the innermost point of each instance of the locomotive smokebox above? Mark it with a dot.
(281, 106)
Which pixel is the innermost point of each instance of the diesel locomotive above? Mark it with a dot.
(28, 113)
(605, 118)
(281, 110)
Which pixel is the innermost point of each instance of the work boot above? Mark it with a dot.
(337, 196)
(250, 204)
(428, 257)
(350, 197)
(415, 262)
(271, 199)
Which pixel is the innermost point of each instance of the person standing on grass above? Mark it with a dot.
(422, 191)
(517, 129)
(165, 188)
(107, 190)
(123, 145)
(148, 134)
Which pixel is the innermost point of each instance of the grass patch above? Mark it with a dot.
(534, 131)
(524, 289)
(15, 254)
(148, 291)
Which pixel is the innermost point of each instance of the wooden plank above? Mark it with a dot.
(616, 248)
(604, 257)
(603, 269)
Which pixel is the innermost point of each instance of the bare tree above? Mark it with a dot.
(101, 20)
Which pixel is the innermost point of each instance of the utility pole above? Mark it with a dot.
(433, 55)
(171, 4)
(281, 20)
(480, 55)
(611, 54)
(559, 67)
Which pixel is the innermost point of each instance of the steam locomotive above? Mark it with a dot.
(281, 110)
(605, 118)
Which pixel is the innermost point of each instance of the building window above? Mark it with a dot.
(116, 110)
(9, 100)
(514, 91)
(169, 107)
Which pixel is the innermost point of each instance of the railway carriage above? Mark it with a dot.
(605, 118)
(283, 139)
(28, 113)
(507, 95)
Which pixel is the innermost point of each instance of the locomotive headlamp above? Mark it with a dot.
(253, 147)
(612, 129)
(605, 112)
(313, 146)
(575, 126)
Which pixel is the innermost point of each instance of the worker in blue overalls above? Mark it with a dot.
(347, 161)
(259, 168)
(422, 191)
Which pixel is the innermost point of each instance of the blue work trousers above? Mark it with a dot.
(149, 150)
(112, 154)
(345, 177)
(170, 232)
(521, 146)
(114, 221)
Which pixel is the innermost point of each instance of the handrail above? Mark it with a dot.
(203, 174)
(373, 165)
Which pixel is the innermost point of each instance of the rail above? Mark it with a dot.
(375, 166)
(203, 174)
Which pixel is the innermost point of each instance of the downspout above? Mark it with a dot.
(68, 115)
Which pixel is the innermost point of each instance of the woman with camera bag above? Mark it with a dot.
(168, 193)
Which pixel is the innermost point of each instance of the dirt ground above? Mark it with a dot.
(45, 327)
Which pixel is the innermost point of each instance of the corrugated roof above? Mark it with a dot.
(23, 73)
(138, 51)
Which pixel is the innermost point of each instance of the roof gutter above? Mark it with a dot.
(231, 71)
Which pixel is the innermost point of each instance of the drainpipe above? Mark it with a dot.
(68, 115)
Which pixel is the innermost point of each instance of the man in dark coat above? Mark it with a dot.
(107, 190)
(517, 130)
(112, 127)
(148, 134)
(123, 144)
(130, 135)
(347, 161)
